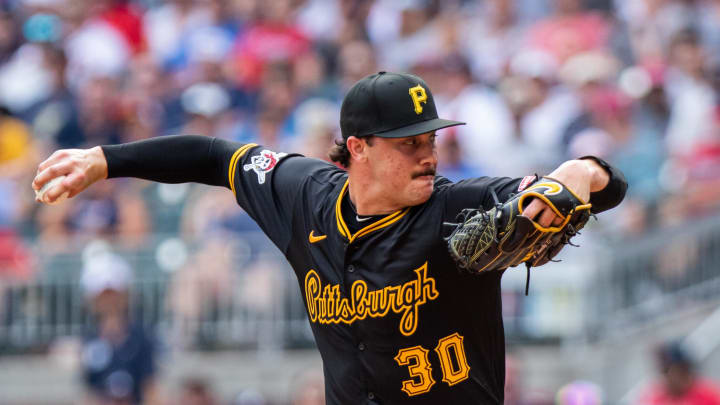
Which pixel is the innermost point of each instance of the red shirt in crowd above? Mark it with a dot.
(703, 392)
(127, 19)
(266, 43)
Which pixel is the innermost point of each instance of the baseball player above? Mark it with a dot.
(393, 318)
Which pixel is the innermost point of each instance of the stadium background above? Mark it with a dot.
(538, 81)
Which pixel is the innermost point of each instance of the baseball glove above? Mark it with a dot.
(501, 237)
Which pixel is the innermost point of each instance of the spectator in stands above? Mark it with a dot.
(100, 119)
(118, 356)
(692, 97)
(680, 382)
(572, 29)
(310, 77)
(272, 38)
(356, 59)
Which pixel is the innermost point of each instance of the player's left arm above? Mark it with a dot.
(559, 206)
(590, 178)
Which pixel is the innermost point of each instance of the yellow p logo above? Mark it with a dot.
(418, 96)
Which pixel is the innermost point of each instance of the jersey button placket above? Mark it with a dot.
(351, 268)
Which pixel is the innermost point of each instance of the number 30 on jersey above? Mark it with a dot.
(451, 352)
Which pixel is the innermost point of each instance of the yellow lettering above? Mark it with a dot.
(358, 292)
(427, 284)
(312, 290)
(418, 96)
(418, 364)
(452, 375)
(326, 305)
(335, 302)
(408, 322)
(392, 301)
(344, 311)
(416, 358)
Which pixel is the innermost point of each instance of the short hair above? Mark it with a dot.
(339, 153)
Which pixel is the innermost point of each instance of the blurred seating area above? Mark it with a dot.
(538, 82)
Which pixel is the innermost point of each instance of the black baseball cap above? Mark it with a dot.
(390, 105)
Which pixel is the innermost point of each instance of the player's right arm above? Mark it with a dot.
(167, 159)
(266, 184)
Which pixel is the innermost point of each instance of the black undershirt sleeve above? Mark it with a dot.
(173, 159)
(613, 194)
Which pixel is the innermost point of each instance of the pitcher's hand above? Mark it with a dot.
(82, 167)
(580, 176)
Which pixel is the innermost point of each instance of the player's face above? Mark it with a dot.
(405, 167)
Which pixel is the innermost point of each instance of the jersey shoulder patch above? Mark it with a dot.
(263, 163)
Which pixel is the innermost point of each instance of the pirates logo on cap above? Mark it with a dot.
(418, 96)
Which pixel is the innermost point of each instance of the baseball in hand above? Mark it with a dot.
(40, 194)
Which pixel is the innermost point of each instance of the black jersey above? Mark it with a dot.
(393, 318)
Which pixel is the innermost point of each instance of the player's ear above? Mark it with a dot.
(357, 148)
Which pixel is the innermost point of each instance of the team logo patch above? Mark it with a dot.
(263, 163)
(418, 96)
(526, 181)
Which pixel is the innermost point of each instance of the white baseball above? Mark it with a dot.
(40, 194)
